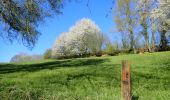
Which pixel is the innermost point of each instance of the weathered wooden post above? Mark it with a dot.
(125, 81)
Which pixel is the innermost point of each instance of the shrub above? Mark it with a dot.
(47, 54)
(98, 54)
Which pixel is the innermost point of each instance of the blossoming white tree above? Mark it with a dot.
(159, 13)
(83, 38)
(157, 9)
(162, 13)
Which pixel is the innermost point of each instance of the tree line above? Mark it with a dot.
(137, 22)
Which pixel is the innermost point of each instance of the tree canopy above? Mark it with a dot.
(136, 18)
(83, 38)
(19, 18)
(23, 57)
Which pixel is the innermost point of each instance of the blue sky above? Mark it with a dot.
(52, 27)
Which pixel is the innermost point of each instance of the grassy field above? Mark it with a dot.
(86, 79)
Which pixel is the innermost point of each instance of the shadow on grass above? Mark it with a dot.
(10, 68)
(135, 97)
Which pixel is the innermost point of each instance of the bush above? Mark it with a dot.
(47, 54)
(111, 49)
(98, 54)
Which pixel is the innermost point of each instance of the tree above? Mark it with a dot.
(20, 18)
(47, 54)
(23, 57)
(83, 38)
(153, 40)
(144, 7)
(125, 20)
(125, 41)
(109, 49)
(161, 16)
(61, 46)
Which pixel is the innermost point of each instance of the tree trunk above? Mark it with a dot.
(163, 41)
(132, 42)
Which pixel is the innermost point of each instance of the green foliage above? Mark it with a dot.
(125, 20)
(20, 18)
(47, 54)
(86, 78)
(109, 49)
(144, 31)
(112, 49)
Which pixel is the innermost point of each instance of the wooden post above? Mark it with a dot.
(125, 81)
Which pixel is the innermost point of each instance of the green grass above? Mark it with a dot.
(86, 79)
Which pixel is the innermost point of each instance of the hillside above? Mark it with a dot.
(86, 78)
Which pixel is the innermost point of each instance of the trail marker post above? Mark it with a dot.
(125, 81)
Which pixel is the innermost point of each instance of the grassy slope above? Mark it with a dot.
(87, 78)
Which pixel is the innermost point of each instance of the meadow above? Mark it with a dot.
(94, 78)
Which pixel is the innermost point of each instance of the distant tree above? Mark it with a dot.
(125, 41)
(20, 58)
(23, 57)
(153, 39)
(125, 20)
(20, 18)
(83, 38)
(47, 54)
(161, 16)
(36, 57)
(144, 32)
(109, 49)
